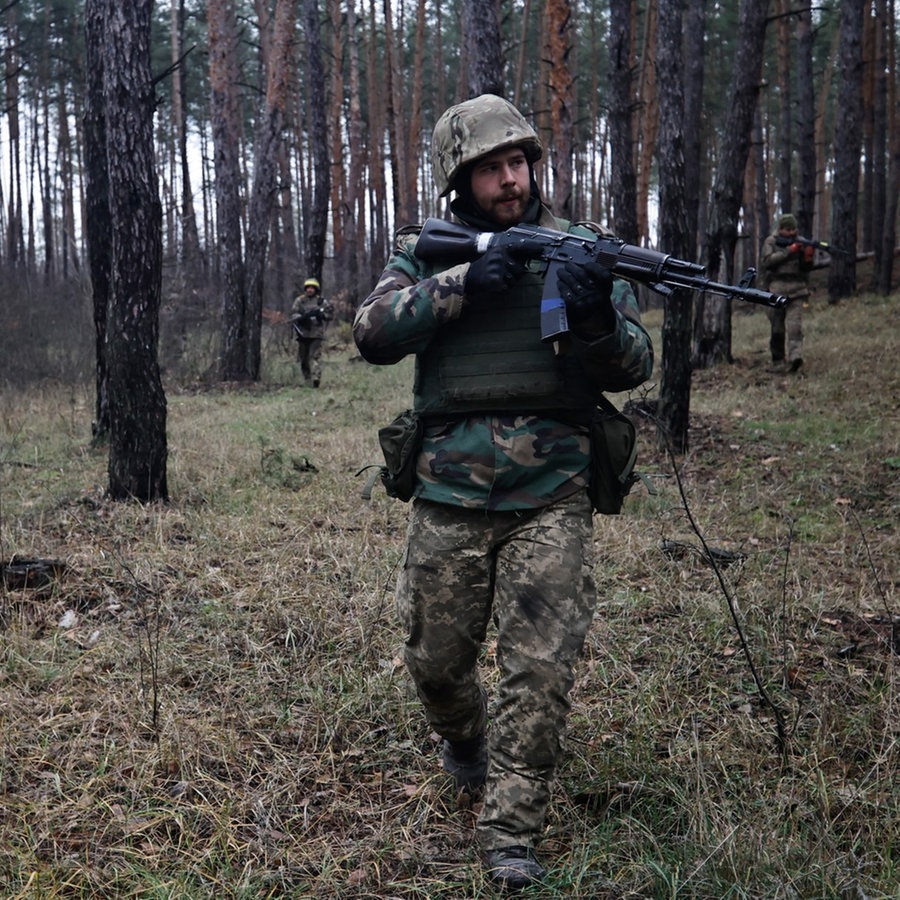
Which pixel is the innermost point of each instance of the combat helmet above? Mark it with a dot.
(312, 282)
(474, 128)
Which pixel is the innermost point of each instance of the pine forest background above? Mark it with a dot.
(362, 83)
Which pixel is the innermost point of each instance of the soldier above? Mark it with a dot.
(310, 314)
(501, 523)
(786, 271)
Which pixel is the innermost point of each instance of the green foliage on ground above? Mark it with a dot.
(208, 700)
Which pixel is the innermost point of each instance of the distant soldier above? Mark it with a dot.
(786, 271)
(310, 314)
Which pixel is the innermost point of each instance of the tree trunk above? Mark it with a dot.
(377, 180)
(190, 238)
(674, 234)
(648, 104)
(317, 222)
(694, 61)
(224, 110)
(485, 56)
(98, 224)
(623, 178)
(137, 404)
(785, 107)
(265, 169)
(886, 269)
(847, 141)
(712, 326)
(879, 134)
(338, 151)
(356, 220)
(806, 122)
(414, 123)
(15, 238)
(558, 16)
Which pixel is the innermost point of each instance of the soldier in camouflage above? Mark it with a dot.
(310, 315)
(786, 271)
(501, 523)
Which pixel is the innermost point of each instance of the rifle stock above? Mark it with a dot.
(445, 242)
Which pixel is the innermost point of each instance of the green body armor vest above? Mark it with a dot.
(492, 359)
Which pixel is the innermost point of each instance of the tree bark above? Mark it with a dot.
(694, 73)
(265, 177)
(785, 107)
(712, 325)
(137, 404)
(889, 238)
(623, 178)
(316, 226)
(562, 103)
(485, 56)
(674, 234)
(806, 122)
(97, 221)
(356, 216)
(879, 133)
(847, 145)
(224, 110)
(190, 238)
(648, 121)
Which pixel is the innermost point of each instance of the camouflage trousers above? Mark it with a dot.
(787, 320)
(309, 355)
(530, 572)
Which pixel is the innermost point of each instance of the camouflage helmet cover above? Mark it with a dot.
(475, 128)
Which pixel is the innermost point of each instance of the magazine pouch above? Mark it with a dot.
(613, 455)
(400, 442)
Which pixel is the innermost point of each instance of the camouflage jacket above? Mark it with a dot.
(310, 316)
(498, 461)
(783, 272)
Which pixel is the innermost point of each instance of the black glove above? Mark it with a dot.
(496, 269)
(587, 293)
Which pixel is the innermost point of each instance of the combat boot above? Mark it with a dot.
(467, 762)
(513, 868)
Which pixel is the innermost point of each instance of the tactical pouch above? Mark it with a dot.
(613, 455)
(400, 442)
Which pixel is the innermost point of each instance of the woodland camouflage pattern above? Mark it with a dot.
(493, 462)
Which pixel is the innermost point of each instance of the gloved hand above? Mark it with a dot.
(587, 292)
(796, 247)
(496, 269)
(809, 254)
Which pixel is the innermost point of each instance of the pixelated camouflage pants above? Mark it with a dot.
(787, 321)
(529, 571)
(309, 355)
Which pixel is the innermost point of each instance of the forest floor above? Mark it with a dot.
(205, 698)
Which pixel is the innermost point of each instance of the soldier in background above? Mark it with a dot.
(501, 521)
(786, 271)
(310, 314)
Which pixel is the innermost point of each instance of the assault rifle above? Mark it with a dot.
(446, 242)
(307, 318)
(783, 241)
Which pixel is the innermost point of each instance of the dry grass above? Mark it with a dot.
(208, 702)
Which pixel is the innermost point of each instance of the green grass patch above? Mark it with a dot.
(210, 702)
